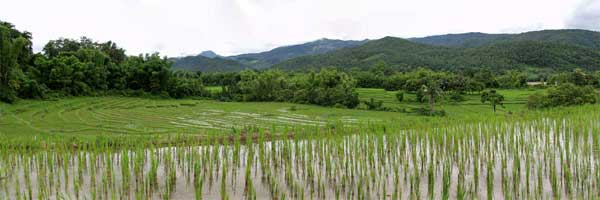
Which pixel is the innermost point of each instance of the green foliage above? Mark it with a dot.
(578, 77)
(566, 94)
(84, 67)
(456, 97)
(329, 87)
(373, 105)
(493, 98)
(400, 96)
(429, 112)
(326, 88)
(12, 46)
(187, 87)
(512, 79)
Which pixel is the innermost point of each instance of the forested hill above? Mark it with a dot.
(208, 61)
(268, 58)
(579, 37)
(206, 64)
(500, 55)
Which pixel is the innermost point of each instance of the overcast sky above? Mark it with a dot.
(186, 27)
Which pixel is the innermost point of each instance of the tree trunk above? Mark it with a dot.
(431, 103)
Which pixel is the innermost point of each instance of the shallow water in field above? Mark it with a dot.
(537, 160)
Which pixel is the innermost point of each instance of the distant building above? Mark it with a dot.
(536, 83)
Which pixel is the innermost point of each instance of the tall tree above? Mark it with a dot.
(11, 47)
(493, 98)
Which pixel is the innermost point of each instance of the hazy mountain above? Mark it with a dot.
(547, 49)
(209, 54)
(584, 38)
(269, 58)
(206, 64)
(209, 61)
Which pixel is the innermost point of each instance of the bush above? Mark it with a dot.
(7, 95)
(33, 90)
(400, 96)
(535, 101)
(427, 112)
(457, 97)
(373, 105)
(566, 94)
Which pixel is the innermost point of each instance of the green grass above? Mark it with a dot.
(214, 88)
(126, 115)
(515, 100)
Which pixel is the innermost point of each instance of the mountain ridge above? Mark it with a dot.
(260, 60)
(555, 49)
(405, 54)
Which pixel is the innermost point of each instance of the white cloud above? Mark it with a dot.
(183, 27)
(587, 16)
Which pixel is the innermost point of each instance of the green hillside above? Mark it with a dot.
(404, 54)
(584, 38)
(206, 64)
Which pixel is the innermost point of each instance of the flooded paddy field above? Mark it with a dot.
(537, 159)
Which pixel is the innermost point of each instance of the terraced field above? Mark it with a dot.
(125, 115)
(120, 115)
(514, 101)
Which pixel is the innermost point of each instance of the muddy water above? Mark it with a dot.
(521, 161)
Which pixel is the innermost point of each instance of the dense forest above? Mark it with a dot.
(69, 67)
(577, 37)
(82, 67)
(405, 55)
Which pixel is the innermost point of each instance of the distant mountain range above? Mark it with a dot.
(260, 60)
(267, 59)
(585, 38)
(545, 50)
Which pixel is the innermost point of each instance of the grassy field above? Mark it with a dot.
(125, 115)
(515, 101)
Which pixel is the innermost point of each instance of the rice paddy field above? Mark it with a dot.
(131, 148)
(90, 116)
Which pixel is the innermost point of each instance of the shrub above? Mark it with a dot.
(428, 112)
(7, 95)
(457, 97)
(373, 105)
(400, 96)
(566, 94)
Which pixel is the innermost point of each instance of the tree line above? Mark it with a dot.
(83, 67)
(68, 67)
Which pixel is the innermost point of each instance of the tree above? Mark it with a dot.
(432, 90)
(10, 49)
(567, 94)
(373, 105)
(493, 98)
(400, 96)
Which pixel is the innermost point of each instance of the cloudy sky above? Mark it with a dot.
(186, 27)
